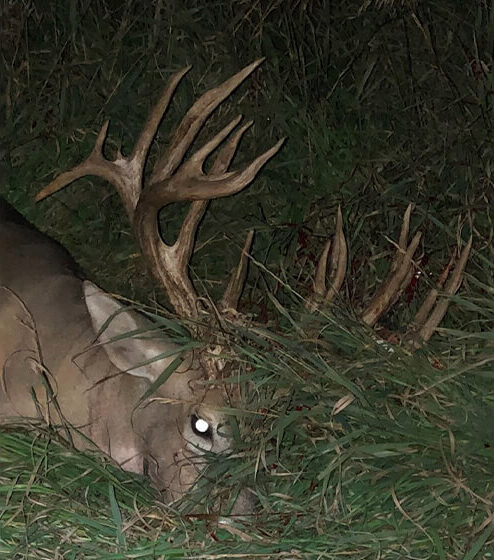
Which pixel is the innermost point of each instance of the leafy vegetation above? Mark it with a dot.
(354, 451)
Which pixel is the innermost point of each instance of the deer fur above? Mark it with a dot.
(50, 320)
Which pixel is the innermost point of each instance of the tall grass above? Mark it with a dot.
(354, 451)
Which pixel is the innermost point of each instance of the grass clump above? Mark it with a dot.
(351, 449)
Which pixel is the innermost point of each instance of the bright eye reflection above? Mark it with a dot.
(201, 426)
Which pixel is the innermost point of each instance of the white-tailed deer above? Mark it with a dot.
(51, 369)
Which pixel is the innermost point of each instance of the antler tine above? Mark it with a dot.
(95, 164)
(395, 281)
(428, 328)
(403, 240)
(431, 297)
(337, 267)
(125, 174)
(338, 262)
(195, 117)
(231, 296)
(224, 157)
(185, 240)
(148, 133)
(319, 287)
(198, 158)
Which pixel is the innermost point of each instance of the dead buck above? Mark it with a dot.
(329, 279)
(49, 318)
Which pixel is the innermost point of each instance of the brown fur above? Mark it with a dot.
(47, 335)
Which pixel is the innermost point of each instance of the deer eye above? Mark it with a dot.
(201, 427)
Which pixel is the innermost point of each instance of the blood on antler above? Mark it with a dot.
(174, 179)
(435, 305)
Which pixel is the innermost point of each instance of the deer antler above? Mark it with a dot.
(172, 180)
(337, 265)
(398, 277)
(429, 316)
(402, 269)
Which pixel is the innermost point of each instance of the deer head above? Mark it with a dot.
(174, 180)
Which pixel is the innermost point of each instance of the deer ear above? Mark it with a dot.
(112, 322)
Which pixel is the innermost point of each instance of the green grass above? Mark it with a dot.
(382, 107)
(352, 451)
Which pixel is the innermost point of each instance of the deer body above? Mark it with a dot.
(50, 367)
